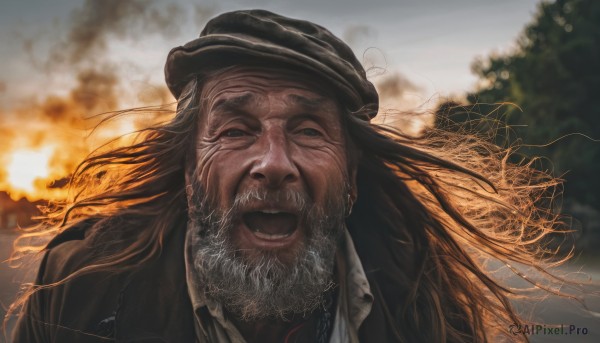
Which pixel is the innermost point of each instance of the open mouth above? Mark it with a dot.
(271, 225)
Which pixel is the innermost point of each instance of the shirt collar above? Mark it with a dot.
(359, 296)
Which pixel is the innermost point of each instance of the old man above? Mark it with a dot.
(270, 209)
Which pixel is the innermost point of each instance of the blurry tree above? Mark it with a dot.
(553, 76)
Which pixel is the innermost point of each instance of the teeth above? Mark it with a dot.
(270, 237)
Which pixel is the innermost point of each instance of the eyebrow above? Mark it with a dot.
(233, 103)
(313, 103)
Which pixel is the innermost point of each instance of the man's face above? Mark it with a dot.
(270, 188)
(264, 131)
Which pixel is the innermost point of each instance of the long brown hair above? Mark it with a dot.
(429, 211)
(141, 185)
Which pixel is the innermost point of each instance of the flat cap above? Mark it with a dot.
(258, 36)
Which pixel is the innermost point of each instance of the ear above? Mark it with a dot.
(352, 183)
(189, 167)
(186, 176)
(353, 158)
(353, 162)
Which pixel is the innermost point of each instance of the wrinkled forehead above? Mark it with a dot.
(239, 80)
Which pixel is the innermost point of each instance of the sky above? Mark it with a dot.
(64, 61)
(429, 44)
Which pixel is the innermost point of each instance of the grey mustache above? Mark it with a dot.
(290, 200)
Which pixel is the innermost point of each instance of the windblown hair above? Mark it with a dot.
(430, 211)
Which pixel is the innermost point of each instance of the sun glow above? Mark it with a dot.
(26, 167)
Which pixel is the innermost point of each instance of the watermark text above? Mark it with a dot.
(547, 330)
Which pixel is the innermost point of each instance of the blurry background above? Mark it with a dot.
(530, 64)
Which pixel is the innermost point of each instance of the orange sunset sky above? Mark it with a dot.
(64, 61)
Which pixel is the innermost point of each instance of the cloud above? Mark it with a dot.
(399, 104)
(357, 36)
(395, 86)
(59, 121)
(203, 13)
(96, 22)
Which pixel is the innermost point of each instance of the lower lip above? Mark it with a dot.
(268, 242)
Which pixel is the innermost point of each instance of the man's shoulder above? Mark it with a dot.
(108, 244)
(76, 247)
(83, 301)
(71, 307)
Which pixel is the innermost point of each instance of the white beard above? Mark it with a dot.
(264, 287)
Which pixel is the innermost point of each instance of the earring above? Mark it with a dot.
(350, 204)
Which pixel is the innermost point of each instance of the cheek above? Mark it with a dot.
(219, 171)
(324, 170)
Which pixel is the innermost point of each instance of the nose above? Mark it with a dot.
(275, 167)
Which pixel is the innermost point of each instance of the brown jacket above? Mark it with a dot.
(147, 304)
